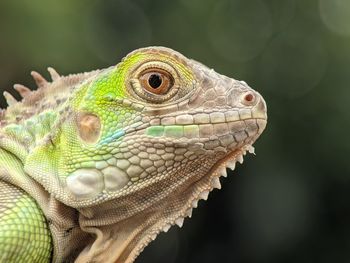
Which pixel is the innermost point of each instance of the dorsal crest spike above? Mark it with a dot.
(22, 90)
(53, 73)
(40, 81)
(49, 95)
(9, 98)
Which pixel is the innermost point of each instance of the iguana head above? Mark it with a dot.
(149, 136)
(156, 120)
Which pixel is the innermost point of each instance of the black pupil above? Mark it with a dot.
(155, 81)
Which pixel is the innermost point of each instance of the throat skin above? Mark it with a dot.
(136, 222)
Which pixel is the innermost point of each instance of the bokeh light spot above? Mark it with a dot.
(335, 15)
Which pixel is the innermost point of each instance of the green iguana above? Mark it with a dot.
(94, 165)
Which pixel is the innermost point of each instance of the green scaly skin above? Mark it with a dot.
(110, 158)
(25, 235)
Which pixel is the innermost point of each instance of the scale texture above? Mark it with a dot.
(94, 165)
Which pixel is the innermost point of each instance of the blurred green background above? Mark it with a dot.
(291, 202)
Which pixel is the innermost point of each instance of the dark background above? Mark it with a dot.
(291, 202)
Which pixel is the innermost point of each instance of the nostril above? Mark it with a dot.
(248, 98)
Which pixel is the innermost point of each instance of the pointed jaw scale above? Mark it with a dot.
(217, 171)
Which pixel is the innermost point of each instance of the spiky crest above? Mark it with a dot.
(48, 95)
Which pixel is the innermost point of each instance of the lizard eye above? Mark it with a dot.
(156, 81)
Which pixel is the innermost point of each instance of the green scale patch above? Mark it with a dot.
(25, 236)
(174, 131)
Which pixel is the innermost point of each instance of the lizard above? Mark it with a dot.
(95, 165)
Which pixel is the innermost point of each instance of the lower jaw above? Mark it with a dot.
(200, 189)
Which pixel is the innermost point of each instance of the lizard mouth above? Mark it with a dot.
(226, 127)
(208, 132)
(229, 129)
